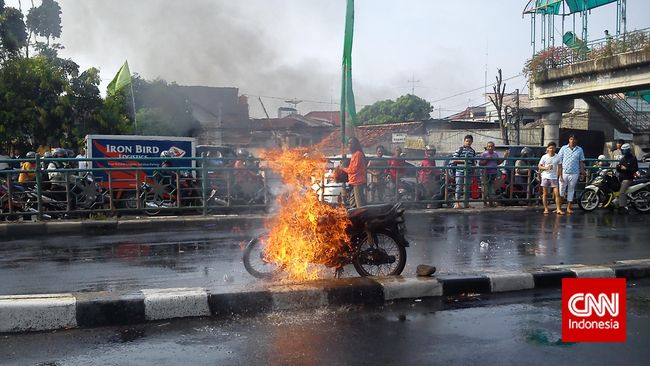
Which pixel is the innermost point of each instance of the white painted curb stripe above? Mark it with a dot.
(409, 288)
(635, 262)
(514, 281)
(594, 272)
(288, 297)
(175, 303)
(37, 312)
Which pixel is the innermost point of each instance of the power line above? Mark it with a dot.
(473, 90)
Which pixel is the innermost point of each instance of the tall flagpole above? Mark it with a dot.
(135, 118)
(348, 108)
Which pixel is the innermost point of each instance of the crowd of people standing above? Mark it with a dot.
(559, 171)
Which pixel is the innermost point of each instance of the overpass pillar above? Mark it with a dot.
(551, 111)
(551, 123)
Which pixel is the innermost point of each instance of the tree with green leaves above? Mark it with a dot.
(13, 34)
(44, 99)
(405, 108)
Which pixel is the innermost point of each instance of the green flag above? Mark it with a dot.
(348, 109)
(121, 79)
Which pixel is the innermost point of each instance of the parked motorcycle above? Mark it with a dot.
(604, 189)
(162, 192)
(377, 247)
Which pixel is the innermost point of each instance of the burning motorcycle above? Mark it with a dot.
(376, 245)
(604, 189)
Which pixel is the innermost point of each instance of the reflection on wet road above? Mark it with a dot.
(454, 243)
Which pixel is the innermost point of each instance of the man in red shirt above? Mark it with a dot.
(428, 176)
(396, 165)
(357, 172)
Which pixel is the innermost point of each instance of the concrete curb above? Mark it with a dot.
(26, 313)
(23, 229)
(30, 229)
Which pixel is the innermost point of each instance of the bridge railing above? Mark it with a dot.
(555, 57)
(224, 187)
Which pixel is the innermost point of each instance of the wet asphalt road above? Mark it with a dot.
(503, 329)
(453, 242)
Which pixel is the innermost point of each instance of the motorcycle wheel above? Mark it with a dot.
(641, 201)
(387, 248)
(151, 204)
(589, 200)
(254, 261)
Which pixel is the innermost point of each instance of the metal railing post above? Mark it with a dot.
(204, 187)
(10, 192)
(39, 188)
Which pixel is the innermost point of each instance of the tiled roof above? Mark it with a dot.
(288, 122)
(334, 117)
(369, 135)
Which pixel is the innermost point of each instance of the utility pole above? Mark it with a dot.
(263, 107)
(517, 116)
(413, 82)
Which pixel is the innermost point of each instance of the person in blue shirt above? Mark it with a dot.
(571, 165)
(467, 155)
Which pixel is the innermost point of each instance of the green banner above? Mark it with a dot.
(348, 109)
(121, 80)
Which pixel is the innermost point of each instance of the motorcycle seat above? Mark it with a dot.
(372, 211)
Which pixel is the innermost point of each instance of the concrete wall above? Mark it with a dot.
(448, 141)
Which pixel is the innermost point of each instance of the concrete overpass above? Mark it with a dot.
(554, 87)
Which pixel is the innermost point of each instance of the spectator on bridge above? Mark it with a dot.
(17, 158)
(548, 165)
(626, 168)
(464, 161)
(490, 160)
(26, 178)
(377, 185)
(396, 164)
(428, 176)
(571, 166)
(83, 164)
(617, 154)
(357, 172)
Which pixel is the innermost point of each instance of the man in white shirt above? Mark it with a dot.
(548, 166)
(82, 164)
(572, 165)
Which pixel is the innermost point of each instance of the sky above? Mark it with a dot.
(277, 50)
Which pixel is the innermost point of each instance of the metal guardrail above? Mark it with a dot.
(556, 57)
(205, 188)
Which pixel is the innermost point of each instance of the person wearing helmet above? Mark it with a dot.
(25, 177)
(523, 175)
(600, 166)
(166, 176)
(571, 167)
(58, 179)
(626, 168)
(429, 177)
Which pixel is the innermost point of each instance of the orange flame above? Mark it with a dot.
(305, 231)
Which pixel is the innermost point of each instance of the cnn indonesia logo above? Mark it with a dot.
(593, 310)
